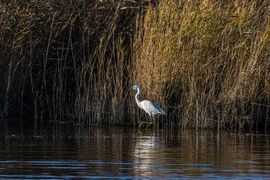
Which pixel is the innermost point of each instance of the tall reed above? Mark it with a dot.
(207, 61)
(65, 61)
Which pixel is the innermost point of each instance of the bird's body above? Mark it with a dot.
(151, 108)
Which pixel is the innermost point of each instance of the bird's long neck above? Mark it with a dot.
(137, 97)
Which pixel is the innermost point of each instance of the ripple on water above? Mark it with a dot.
(129, 154)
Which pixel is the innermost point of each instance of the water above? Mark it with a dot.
(120, 153)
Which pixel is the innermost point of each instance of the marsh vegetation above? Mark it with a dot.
(206, 61)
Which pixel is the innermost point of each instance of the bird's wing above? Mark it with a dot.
(151, 107)
(161, 111)
(159, 108)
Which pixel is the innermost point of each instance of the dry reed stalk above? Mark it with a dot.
(209, 57)
(68, 60)
(206, 61)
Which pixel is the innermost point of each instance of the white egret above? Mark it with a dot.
(151, 108)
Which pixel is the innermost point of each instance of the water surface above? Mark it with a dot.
(129, 153)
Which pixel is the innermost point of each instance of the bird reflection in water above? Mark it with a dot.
(146, 154)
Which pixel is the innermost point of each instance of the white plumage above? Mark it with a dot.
(149, 107)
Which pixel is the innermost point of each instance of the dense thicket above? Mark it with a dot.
(206, 62)
(209, 58)
(65, 60)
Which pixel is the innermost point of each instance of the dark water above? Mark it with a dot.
(128, 153)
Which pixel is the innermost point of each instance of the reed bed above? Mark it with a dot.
(206, 62)
(65, 61)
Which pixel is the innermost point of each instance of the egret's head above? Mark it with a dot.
(136, 87)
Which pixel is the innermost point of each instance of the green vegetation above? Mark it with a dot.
(206, 61)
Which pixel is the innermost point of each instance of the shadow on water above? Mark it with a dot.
(117, 152)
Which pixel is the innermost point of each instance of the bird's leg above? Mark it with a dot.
(150, 118)
(154, 120)
(151, 121)
(141, 123)
(147, 123)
